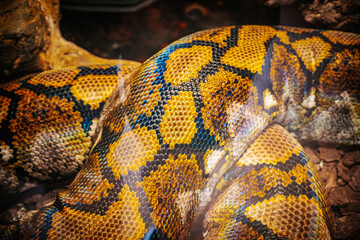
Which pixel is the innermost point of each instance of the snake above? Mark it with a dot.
(201, 141)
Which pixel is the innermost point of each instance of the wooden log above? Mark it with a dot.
(30, 40)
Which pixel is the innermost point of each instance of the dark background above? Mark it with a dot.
(138, 35)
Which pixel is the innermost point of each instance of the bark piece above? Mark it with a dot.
(351, 158)
(343, 172)
(346, 227)
(340, 196)
(311, 154)
(328, 176)
(355, 178)
(329, 154)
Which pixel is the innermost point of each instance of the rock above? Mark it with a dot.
(311, 154)
(343, 172)
(351, 158)
(355, 178)
(329, 154)
(332, 14)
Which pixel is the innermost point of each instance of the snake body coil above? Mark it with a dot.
(196, 141)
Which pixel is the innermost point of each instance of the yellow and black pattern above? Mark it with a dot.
(47, 119)
(271, 191)
(197, 140)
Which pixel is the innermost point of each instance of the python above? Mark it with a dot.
(200, 136)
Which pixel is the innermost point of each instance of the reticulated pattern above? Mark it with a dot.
(190, 135)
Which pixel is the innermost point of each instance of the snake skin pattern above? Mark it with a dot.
(47, 120)
(194, 149)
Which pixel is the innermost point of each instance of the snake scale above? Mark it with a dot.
(193, 145)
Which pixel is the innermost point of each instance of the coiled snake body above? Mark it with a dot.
(192, 141)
